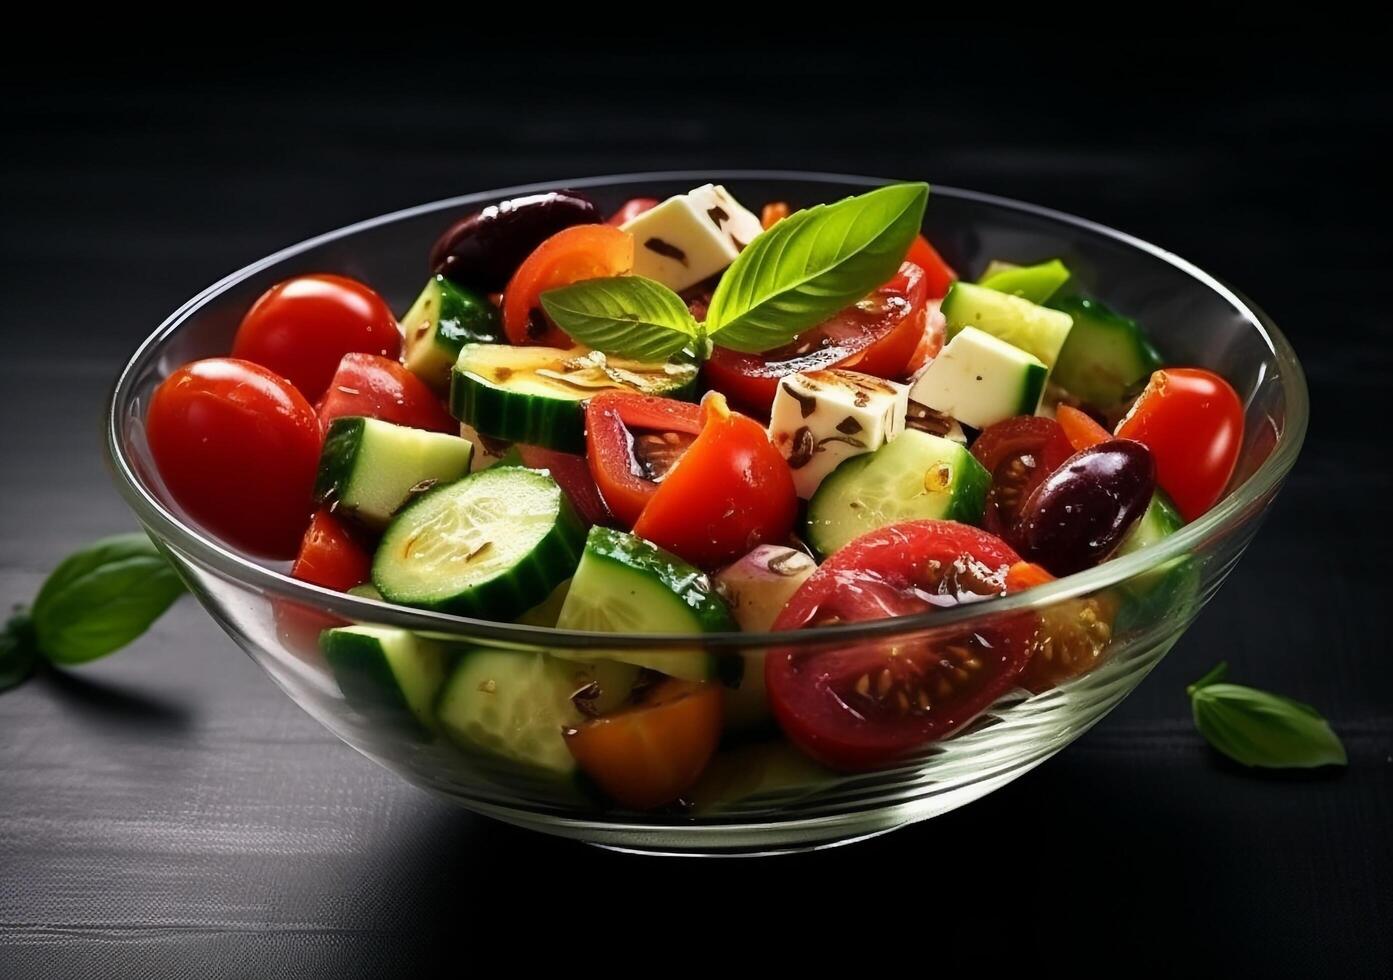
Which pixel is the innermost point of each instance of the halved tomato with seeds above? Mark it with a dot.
(865, 705)
(1071, 637)
(1019, 453)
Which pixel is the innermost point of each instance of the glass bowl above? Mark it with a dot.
(758, 796)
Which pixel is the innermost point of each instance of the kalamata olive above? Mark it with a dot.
(1079, 514)
(483, 250)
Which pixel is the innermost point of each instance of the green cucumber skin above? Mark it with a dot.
(552, 423)
(368, 681)
(1098, 331)
(1036, 283)
(508, 594)
(465, 318)
(338, 458)
(632, 553)
(1032, 388)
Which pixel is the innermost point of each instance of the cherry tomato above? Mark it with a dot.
(878, 335)
(301, 329)
(377, 388)
(571, 255)
(1080, 428)
(631, 209)
(649, 754)
(1192, 421)
(1019, 453)
(632, 442)
(931, 340)
(329, 556)
(238, 447)
(572, 474)
(938, 274)
(864, 705)
(1026, 575)
(730, 491)
(1071, 638)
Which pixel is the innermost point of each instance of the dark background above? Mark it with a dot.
(167, 812)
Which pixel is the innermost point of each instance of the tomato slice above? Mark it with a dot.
(632, 442)
(878, 335)
(572, 474)
(1019, 453)
(729, 492)
(1080, 428)
(301, 328)
(238, 447)
(329, 556)
(865, 705)
(571, 255)
(931, 340)
(631, 209)
(1026, 575)
(378, 388)
(938, 274)
(1192, 421)
(649, 754)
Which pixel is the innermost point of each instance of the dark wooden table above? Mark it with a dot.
(167, 812)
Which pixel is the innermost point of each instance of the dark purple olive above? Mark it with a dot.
(1081, 512)
(483, 250)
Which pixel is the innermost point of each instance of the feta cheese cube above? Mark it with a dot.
(690, 237)
(823, 417)
(979, 379)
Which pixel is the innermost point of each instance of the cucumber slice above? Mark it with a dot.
(491, 545)
(545, 613)
(1035, 283)
(1165, 591)
(1034, 329)
(514, 704)
(980, 379)
(626, 585)
(917, 477)
(368, 468)
(537, 395)
(1105, 355)
(387, 670)
(443, 319)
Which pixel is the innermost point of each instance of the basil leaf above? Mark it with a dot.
(627, 315)
(812, 264)
(101, 598)
(1255, 728)
(18, 654)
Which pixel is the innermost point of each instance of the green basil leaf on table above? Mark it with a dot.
(812, 264)
(629, 316)
(18, 653)
(1256, 728)
(101, 598)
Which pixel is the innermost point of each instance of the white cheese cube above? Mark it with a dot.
(823, 417)
(978, 380)
(690, 237)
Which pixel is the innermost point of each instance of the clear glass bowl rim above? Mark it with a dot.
(1226, 516)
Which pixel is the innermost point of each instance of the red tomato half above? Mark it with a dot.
(329, 556)
(238, 447)
(571, 255)
(938, 275)
(864, 705)
(377, 388)
(1192, 421)
(632, 442)
(931, 340)
(631, 209)
(572, 475)
(878, 335)
(301, 329)
(1019, 453)
(730, 491)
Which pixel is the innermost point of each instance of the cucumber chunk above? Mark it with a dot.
(1035, 283)
(1034, 329)
(368, 468)
(1166, 591)
(626, 585)
(491, 545)
(444, 318)
(537, 395)
(387, 670)
(917, 477)
(1105, 355)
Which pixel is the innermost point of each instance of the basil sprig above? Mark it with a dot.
(96, 601)
(791, 277)
(1255, 728)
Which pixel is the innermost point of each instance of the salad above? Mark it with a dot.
(689, 418)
